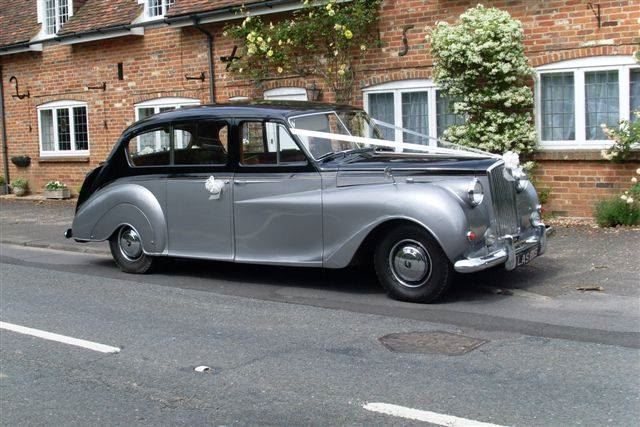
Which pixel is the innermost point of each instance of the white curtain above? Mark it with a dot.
(601, 102)
(635, 93)
(558, 108)
(415, 116)
(381, 107)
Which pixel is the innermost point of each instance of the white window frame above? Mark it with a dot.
(622, 64)
(160, 103)
(63, 105)
(42, 18)
(406, 86)
(286, 93)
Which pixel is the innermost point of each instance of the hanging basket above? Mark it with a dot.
(21, 161)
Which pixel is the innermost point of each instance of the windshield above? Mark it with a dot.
(333, 132)
(329, 132)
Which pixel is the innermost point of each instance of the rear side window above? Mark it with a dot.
(194, 143)
(201, 143)
(151, 148)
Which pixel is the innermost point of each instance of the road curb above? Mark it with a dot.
(55, 246)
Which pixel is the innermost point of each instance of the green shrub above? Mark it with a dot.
(616, 211)
(1, 180)
(20, 183)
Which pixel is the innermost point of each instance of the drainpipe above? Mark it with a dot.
(212, 77)
(5, 151)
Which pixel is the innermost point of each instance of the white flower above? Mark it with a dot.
(624, 197)
(511, 160)
(634, 179)
(638, 171)
(630, 200)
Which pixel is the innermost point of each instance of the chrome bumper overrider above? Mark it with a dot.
(506, 255)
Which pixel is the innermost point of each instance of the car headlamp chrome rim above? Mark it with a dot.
(475, 192)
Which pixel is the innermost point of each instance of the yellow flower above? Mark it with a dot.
(348, 34)
(279, 42)
(332, 12)
(280, 70)
(363, 47)
(341, 72)
(329, 6)
(337, 27)
(260, 39)
(270, 53)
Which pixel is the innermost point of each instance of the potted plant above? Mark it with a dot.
(56, 190)
(19, 187)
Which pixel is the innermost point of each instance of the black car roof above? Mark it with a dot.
(257, 109)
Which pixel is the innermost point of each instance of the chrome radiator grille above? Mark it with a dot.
(503, 197)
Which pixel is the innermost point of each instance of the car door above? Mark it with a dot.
(277, 198)
(199, 191)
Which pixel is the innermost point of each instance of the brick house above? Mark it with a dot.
(92, 67)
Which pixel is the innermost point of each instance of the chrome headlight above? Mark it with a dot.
(475, 192)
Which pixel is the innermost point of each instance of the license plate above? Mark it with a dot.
(526, 256)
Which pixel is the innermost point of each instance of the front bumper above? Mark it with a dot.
(506, 255)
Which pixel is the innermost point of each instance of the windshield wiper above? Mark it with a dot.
(344, 153)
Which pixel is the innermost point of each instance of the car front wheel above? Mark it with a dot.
(411, 266)
(126, 249)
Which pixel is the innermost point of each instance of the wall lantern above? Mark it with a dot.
(313, 92)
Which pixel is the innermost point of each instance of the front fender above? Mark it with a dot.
(351, 213)
(119, 204)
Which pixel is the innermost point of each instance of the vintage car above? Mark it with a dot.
(305, 184)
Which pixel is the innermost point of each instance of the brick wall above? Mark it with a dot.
(155, 66)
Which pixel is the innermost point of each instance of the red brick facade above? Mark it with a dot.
(155, 66)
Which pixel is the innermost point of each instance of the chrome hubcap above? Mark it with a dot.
(130, 245)
(410, 263)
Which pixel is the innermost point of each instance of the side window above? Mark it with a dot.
(201, 143)
(150, 148)
(268, 144)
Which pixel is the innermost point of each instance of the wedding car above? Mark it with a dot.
(306, 184)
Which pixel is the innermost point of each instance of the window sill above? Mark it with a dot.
(573, 155)
(63, 159)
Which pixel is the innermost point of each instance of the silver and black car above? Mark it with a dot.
(304, 184)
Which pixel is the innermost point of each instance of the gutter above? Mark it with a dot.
(212, 78)
(194, 18)
(5, 150)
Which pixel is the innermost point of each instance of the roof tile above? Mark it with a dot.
(100, 14)
(18, 21)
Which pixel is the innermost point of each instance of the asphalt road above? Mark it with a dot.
(301, 347)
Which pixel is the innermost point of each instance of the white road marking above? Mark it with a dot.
(59, 338)
(426, 416)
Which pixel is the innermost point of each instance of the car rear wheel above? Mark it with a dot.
(126, 249)
(411, 266)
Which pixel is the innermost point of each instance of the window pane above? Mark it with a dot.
(254, 150)
(50, 16)
(635, 93)
(63, 12)
(155, 7)
(381, 108)
(268, 144)
(445, 116)
(415, 116)
(142, 153)
(203, 143)
(80, 128)
(602, 104)
(558, 107)
(46, 131)
(64, 131)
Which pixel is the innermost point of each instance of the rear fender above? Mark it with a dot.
(123, 204)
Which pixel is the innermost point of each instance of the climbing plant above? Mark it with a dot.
(321, 39)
